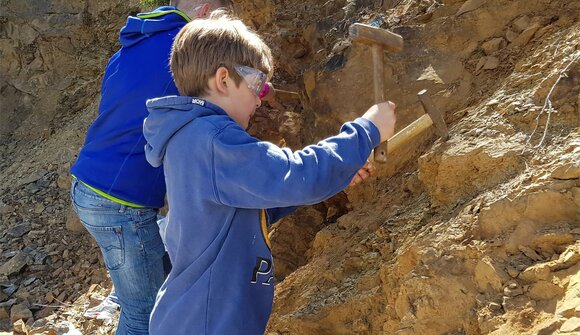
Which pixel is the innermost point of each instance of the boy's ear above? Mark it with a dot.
(221, 80)
(202, 11)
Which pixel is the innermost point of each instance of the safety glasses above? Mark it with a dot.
(255, 79)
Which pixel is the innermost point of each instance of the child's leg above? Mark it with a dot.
(132, 250)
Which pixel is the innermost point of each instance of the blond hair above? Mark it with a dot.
(204, 45)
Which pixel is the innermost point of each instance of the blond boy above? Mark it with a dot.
(224, 187)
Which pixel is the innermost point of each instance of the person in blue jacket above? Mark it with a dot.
(224, 186)
(114, 191)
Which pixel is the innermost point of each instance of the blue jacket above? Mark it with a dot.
(219, 179)
(112, 159)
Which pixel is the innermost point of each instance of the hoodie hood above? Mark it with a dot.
(144, 25)
(167, 116)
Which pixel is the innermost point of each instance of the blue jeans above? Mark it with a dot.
(132, 250)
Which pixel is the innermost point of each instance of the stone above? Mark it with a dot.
(491, 63)
(512, 291)
(19, 327)
(470, 5)
(571, 325)
(569, 308)
(576, 193)
(22, 294)
(512, 271)
(28, 281)
(412, 184)
(515, 303)
(521, 23)
(567, 171)
(46, 312)
(31, 179)
(530, 253)
(6, 209)
(61, 297)
(4, 314)
(73, 223)
(49, 297)
(19, 230)
(525, 37)
(39, 208)
(487, 275)
(340, 46)
(13, 265)
(20, 312)
(41, 323)
(492, 45)
(536, 273)
(510, 36)
(544, 290)
(63, 181)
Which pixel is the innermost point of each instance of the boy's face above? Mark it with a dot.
(245, 96)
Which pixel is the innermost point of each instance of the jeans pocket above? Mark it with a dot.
(149, 236)
(110, 241)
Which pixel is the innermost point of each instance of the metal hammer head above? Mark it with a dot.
(363, 33)
(434, 113)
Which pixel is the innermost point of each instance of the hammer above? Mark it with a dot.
(432, 117)
(380, 40)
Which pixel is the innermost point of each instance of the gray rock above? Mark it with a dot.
(9, 288)
(31, 179)
(5, 209)
(40, 257)
(20, 312)
(19, 230)
(8, 304)
(10, 254)
(28, 281)
(13, 265)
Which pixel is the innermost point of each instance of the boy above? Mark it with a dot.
(220, 179)
(115, 192)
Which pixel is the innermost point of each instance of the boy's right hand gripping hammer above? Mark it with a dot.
(380, 40)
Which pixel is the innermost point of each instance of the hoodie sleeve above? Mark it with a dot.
(248, 173)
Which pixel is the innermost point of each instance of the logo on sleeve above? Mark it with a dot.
(262, 272)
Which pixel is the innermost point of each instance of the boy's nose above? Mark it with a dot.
(258, 102)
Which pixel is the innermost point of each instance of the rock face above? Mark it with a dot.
(51, 58)
(483, 226)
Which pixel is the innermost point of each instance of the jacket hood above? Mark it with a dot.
(167, 116)
(144, 25)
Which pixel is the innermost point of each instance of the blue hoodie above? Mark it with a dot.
(219, 179)
(112, 159)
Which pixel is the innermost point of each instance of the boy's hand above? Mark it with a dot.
(383, 116)
(366, 171)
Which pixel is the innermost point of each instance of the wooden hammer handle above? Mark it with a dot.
(409, 132)
(380, 153)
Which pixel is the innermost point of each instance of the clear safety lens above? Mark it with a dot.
(255, 79)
